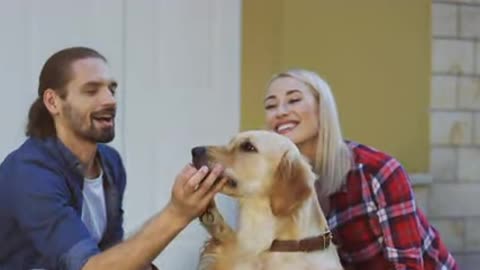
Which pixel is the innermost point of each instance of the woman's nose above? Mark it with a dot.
(282, 110)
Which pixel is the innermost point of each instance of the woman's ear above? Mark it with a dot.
(290, 186)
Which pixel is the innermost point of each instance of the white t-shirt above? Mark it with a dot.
(94, 214)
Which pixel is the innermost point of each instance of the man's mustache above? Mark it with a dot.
(112, 111)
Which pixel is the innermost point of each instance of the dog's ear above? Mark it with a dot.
(290, 187)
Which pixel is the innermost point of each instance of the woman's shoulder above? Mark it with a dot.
(377, 167)
(369, 156)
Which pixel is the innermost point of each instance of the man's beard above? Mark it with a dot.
(92, 133)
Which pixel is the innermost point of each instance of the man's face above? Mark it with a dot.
(88, 110)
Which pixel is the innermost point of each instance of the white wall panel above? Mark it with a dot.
(32, 31)
(178, 65)
(17, 86)
(187, 94)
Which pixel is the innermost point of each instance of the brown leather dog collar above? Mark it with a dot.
(309, 244)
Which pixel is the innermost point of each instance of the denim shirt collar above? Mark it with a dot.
(55, 144)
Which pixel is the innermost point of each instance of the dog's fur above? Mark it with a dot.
(274, 185)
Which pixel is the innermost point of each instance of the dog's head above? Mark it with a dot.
(261, 164)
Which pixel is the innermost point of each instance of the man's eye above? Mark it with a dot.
(113, 88)
(269, 106)
(91, 91)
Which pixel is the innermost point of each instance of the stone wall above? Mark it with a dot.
(453, 203)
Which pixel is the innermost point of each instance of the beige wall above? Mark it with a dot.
(374, 53)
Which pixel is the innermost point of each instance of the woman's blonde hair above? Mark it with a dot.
(333, 158)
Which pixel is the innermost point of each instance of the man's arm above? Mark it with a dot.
(40, 202)
(190, 197)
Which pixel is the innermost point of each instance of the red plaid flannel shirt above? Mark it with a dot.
(376, 223)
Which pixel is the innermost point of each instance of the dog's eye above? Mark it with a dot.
(248, 147)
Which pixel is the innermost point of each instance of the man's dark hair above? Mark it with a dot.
(55, 75)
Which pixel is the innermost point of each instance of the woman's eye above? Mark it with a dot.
(295, 100)
(270, 106)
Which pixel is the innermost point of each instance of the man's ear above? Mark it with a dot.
(290, 186)
(52, 101)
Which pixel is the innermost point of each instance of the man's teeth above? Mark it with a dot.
(103, 118)
(286, 126)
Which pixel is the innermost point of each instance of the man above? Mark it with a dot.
(62, 190)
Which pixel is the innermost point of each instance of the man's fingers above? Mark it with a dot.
(211, 193)
(207, 184)
(194, 180)
(185, 174)
(218, 186)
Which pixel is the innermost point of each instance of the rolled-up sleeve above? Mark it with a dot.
(398, 217)
(77, 256)
(42, 208)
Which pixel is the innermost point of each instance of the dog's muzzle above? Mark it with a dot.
(200, 158)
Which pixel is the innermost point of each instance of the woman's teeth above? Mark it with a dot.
(284, 127)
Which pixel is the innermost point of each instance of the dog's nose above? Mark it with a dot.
(199, 151)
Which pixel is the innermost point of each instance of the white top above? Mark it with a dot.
(94, 214)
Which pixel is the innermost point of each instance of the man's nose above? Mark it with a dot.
(108, 98)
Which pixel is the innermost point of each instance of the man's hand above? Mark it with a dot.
(193, 190)
(191, 194)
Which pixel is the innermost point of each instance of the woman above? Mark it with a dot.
(365, 193)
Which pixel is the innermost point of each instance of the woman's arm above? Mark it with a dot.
(398, 217)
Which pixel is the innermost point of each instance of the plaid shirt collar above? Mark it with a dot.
(355, 166)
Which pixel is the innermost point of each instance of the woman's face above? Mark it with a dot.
(291, 109)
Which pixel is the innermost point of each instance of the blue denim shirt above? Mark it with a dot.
(41, 202)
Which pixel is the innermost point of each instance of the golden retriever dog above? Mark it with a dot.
(281, 225)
